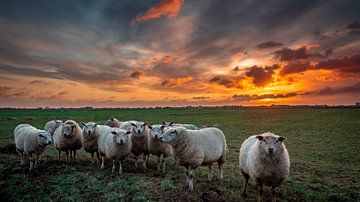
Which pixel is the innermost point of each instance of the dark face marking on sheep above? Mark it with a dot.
(138, 128)
(44, 138)
(270, 144)
(156, 131)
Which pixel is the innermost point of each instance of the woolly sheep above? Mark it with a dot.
(89, 138)
(30, 140)
(114, 122)
(158, 148)
(139, 139)
(264, 158)
(194, 148)
(67, 137)
(116, 146)
(185, 125)
(52, 125)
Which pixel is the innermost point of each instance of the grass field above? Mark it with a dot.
(323, 143)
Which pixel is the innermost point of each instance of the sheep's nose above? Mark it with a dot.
(156, 136)
(121, 141)
(89, 133)
(49, 142)
(271, 150)
(138, 131)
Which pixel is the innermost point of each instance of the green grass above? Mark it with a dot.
(323, 143)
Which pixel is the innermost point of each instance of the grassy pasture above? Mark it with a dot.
(323, 143)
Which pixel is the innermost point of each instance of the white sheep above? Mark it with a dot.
(67, 137)
(51, 126)
(114, 122)
(30, 140)
(194, 148)
(169, 124)
(158, 148)
(115, 145)
(139, 138)
(89, 138)
(264, 158)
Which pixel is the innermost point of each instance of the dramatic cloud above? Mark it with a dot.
(354, 27)
(167, 8)
(269, 44)
(137, 74)
(247, 97)
(296, 67)
(355, 89)
(261, 76)
(222, 81)
(177, 81)
(287, 54)
(347, 64)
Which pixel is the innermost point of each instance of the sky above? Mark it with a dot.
(144, 53)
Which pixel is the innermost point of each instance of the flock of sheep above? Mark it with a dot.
(263, 157)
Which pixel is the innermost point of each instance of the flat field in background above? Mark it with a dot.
(323, 143)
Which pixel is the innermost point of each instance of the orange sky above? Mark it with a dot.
(177, 53)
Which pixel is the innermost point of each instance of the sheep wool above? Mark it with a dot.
(264, 158)
(194, 148)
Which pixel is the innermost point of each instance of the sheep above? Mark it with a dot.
(168, 124)
(264, 158)
(67, 137)
(114, 122)
(194, 148)
(139, 138)
(89, 138)
(51, 126)
(30, 140)
(116, 145)
(158, 148)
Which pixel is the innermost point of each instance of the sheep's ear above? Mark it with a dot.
(177, 131)
(259, 137)
(128, 132)
(282, 139)
(144, 124)
(113, 132)
(82, 123)
(96, 124)
(162, 127)
(171, 123)
(133, 124)
(164, 122)
(150, 127)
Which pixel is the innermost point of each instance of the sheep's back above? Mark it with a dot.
(246, 146)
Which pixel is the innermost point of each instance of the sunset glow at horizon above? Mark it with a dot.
(179, 52)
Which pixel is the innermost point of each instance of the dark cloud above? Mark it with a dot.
(261, 76)
(355, 89)
(200, 98)
(287, 54)
(136, 74)
(296, 67)
(347, 64)
(247, 97)
(269, 44)
(222, 81)
(354, 27)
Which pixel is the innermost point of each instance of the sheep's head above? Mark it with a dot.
(156, 131)
(168, 123)
(68, 130)
(44, 138)
(111, 122)
(270, 143)
(138, 127)
(120, 136)
(89, 128)
(58, 123)
(171, 136)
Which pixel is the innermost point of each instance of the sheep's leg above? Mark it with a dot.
(145, 158)
(191, 177)
(136, 159)
(67, 156)
(163, 164)
(113, 167)
(59, 154)
(261, 192)
(31, 162)
(158, 164)
(210, 172)
(221, 170)
(246, 176)
(187, 174)
(120, 167)
(273, 194)
(102, 162)
(74, 153)
(98, 158)
(22, 157)
(36, 161)
(92, 158)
